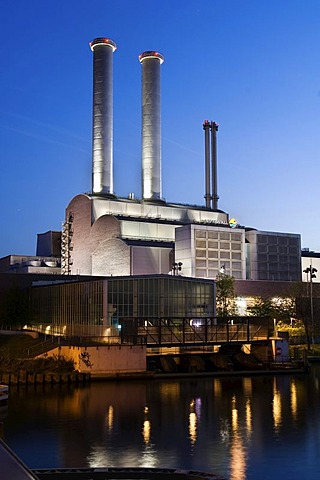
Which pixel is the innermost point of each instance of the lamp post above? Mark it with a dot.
(311, 273)
(176, 268)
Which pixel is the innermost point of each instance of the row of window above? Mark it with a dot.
(215, 245)
(277, 240)
(278, 249)
(292, 260)
(216, 264)
(212, 254)
(213, 273)
(209, 234)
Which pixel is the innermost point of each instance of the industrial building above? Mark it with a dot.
(138, 273)
(107, 235)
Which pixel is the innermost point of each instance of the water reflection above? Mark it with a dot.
(237, 450)
(109, 418)
(276, 407)
(293, 399)
(229, 426)
(248, 418)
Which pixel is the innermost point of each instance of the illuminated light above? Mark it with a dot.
(193, 428)
(146, 432)
(217, 387)
(103, 42)
(195, 322)
(294, 399)
(151, 54)
(238, 461)
(119, 327)
(247, 385)
(146, 409)
(198, 407)
(234, 415)
(276, 409)
(249, 417)
(48, 328)
(110, 417)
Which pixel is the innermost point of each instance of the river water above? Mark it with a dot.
(252, 427)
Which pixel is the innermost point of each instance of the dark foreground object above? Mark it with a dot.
(12, 468)
(123, 473)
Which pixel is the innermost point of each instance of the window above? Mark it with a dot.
(200, 233)
(224, 236)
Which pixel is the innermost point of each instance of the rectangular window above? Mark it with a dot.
(201, 272)
(236, 265)
(212, 244)
(236, 237)
(237, 275)
(213, 264)
(200, 233)
(212, 273)
(224, 236)
(201, 244)
(201, 263)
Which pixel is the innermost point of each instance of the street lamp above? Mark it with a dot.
(176, 267)
(311, 273)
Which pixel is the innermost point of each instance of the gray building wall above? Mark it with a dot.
(273, 256)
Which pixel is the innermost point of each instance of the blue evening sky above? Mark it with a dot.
(251, 65)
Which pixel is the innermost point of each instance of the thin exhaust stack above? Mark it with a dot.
(211, 185)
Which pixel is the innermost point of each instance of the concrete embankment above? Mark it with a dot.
(26, 378)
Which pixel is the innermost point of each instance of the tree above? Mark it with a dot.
(15, 309)
(225, 298)
(276, 308)
(291, 312)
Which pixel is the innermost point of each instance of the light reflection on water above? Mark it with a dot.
(242, 428)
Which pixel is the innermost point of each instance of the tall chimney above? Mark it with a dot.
(211, 188)
(102, 128)
(215, 197)
(151, 125)
(207, 195)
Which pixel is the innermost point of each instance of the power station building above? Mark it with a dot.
(104, 235)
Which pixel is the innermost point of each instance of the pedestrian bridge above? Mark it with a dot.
(168, 332)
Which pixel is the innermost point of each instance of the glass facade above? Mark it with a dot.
(94, 306)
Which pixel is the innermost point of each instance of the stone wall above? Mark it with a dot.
(111, 359)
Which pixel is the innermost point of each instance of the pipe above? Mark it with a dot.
(151, 125)
(102, 127)
(207, 196)
(215, 197)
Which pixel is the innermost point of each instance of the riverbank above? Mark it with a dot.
(26, 378)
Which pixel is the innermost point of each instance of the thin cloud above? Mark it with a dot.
(43, 138)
